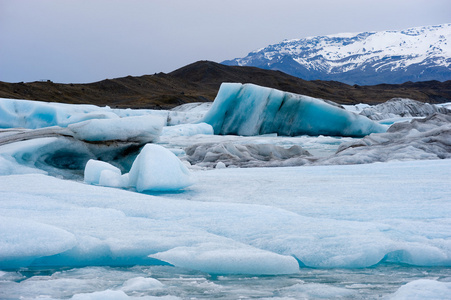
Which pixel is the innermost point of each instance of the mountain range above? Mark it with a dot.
(200, 81)
(366, 58)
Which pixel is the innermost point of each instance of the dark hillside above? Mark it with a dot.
(200, 81)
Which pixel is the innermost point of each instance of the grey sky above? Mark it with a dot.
(90, 40)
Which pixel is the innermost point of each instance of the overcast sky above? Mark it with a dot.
(90, 40)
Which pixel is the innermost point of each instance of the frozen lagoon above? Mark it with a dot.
(340, 231)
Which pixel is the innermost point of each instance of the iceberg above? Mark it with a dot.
(248, 109)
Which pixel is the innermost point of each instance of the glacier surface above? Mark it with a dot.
(309, 227)
(255, 214)
(254, 110)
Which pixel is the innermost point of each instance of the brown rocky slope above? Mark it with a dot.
(200, 81)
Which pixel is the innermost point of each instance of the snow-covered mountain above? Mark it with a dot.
(366, 58)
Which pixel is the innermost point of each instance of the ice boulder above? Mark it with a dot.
(158, 169)
(248, 109)
(102, 173)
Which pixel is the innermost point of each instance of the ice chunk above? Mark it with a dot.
(317, 291)
(154, 169)
(141, 129)
(229, 259)
(158, 169)
(38, 114)
(252, 110)
(423, 289)
(112, 179)
(141, 284)
(220, 165)
(94, 169)
(115, 295)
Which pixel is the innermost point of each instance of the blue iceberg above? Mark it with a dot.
(248, 109)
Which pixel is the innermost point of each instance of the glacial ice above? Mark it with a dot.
(423, 289)
(401, 107)
(427, 138)
(417, 139)
(158, 169)
(154, 169)
(62, 156)
(254, 215)
(37, 114)
(141, 284)
(253, 110)
(141, 129)
(232, 221)
(230, 258)
(209, 155)
(95, 169)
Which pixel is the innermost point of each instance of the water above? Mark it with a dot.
(368, 283)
